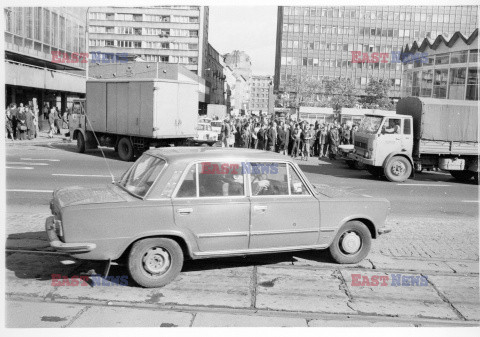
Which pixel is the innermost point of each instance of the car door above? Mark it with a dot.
(283, 211)
(211, 203)
(391, 141)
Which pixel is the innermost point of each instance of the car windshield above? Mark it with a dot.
(138, 179)
(370, 124)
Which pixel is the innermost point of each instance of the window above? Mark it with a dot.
(472, 84)
(109, 43)
(407, 129)
(473, 55)
(193, 33)
(459, 57)
(458, 77)
(426, 83)
(440, 83)
(220, 179)
(193, 60)
(193, 19)
(46, 26)
(297, 187)
(109, 16)
(442, 59)
(188, 189)
(267, 178)
(141, 176)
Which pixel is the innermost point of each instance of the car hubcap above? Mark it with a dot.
(351, 243)
(398, 168)
(156, 261)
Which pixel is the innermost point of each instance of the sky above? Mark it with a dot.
(250, 29)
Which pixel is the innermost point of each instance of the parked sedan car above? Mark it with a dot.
(200, 202)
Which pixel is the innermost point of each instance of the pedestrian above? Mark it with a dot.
(13, 118)
(322, 140)
(58, 121)
(30, 119)
(272, 137)
(8, 122)
(21, 122)
(296, 136)
(255, 129)
(246, 136)
(281, 138)
(45, 111)
(51, 123)
(261, 137)
(334, 141)
(311, 133)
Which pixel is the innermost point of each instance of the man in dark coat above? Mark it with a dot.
(272, 137)
(261, 137)
(334, 140)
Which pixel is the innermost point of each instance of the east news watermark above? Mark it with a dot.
(393, 57)
(392, 280)
(93, 280)
(92, 57)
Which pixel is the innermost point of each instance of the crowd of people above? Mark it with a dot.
(299, 139)
(22, 122)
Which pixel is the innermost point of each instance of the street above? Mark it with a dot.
(434, 221)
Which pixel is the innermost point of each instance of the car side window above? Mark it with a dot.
(268, 178)
(188, 189)
(297, 187)
(220, 179)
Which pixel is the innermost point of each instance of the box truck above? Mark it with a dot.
(425, 133)
(132, 115)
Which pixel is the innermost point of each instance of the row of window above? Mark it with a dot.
(316, 62)
(162, 32)
(43, 25)
(395, 83)
(446, 58)
(454, 83)
(170, 59)
(387, 13)
(143, 44)
(142, 17)
(368, 48)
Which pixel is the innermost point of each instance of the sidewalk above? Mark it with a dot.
(42, 138)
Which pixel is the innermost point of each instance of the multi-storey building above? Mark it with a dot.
(444, 68)
(261, 94)
(215, 77)
(318, 41)
(170, 34)
(34, 71)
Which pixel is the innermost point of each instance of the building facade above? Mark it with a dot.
(319, 42)
(169, 34)
(215, 77)
(33, 36)
(261, 94)
(444, 68)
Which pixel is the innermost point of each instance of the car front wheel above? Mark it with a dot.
(351, 244)
(155, 262)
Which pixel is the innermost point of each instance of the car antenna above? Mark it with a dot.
(98, 143)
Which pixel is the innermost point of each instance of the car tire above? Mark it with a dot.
(155, 262)
(463, 176)
(375, 171)
(351, 244)
(80, 143)
(125, 149)
(398, 169)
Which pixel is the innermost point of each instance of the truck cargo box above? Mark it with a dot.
(152, 108)
(442, 126)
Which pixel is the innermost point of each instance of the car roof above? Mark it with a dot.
(194, 153)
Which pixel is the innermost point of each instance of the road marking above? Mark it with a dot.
(470, 201)
(80, 175)
(432, 185)
(30, 191)
(19, 168)
(366, 195)
(24, 163)
(40, 159)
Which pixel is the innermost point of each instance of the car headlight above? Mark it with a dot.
(367, 154)
(58, 227)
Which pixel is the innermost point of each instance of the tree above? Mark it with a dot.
(376, 95)
(340, 93)
(299, 91)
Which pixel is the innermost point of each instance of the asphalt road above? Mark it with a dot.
(34, 171)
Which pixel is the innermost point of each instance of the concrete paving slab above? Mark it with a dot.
(131, 317)
(462, 292)
(228, 320)
(39, 315)
(463, 266)
(300, 290)
(409, 265)
(412, 301)
(355, 322)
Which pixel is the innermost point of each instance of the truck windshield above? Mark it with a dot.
(370, 124)
(138, 179)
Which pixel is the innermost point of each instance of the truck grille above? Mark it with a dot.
(360, 144)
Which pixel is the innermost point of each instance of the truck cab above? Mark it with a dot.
(384, 143)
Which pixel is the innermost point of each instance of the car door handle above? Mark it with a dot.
(260, 208)
(184, 211)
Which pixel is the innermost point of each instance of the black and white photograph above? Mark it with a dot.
(257, 164)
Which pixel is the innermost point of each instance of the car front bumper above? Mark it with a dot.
(361, 159)
(58, 245)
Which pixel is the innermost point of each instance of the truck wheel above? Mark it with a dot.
(351, 244)
(463, 176)
(155, 262)
(374, 171)
(125, 149)
(80, 143)
(398, 169)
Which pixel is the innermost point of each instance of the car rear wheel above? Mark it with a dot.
(155, 262)
(351, 244)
